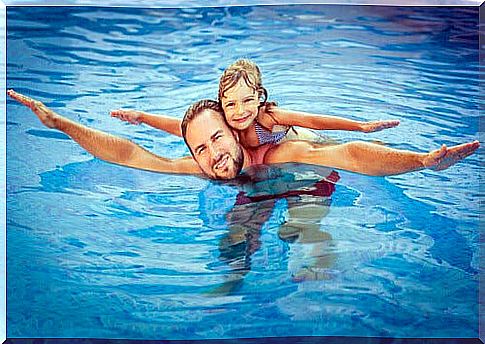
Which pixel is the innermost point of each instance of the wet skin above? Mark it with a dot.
(241, 105)
(215, 149)
(218, 153)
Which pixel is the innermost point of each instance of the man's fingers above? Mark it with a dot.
(27, 101)
(446, 157)
(46, 116)
(465, 149)
(20, 97)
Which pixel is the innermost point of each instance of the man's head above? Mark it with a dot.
(211, 142)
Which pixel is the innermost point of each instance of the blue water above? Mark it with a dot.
(97, 250)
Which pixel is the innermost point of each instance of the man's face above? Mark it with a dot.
(214, 146)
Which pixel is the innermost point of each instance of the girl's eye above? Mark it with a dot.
(249, 100)
(218, 137)
(229, 104)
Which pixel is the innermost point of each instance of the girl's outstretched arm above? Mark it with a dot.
(275, 115)
(166, 123)
(105, 146)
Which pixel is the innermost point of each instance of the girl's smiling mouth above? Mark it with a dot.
(241, 119)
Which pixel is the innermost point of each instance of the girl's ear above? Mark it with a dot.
(262, 94)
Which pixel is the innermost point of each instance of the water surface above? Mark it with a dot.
(96, 250)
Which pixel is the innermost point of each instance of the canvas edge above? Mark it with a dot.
(3, 114)
(481, 296)
(3, 169)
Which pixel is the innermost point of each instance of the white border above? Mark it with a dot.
(481, 133)
(230, 3)
(3, 169)
(167, 4)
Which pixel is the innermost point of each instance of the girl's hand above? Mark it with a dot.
(130, 116)
(370, 127)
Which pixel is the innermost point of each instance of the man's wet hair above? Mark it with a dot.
(195, 110)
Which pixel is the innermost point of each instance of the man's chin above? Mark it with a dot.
(231, 170)
(225, 175)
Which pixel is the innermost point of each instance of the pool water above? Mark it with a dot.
(98, 250)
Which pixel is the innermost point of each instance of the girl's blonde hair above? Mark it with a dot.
(249, 72)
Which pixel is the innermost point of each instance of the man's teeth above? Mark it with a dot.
(221, 162)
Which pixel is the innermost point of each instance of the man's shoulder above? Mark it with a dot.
(287, 151)
(258, 154)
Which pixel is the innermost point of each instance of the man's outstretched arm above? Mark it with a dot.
(368, 158)
(105, 146)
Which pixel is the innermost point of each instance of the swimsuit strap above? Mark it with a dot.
(266, 136)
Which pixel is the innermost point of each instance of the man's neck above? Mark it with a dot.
(248, 158)
(255, 156)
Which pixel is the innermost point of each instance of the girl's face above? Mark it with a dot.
(240, 104)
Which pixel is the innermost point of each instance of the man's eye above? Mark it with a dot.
(229, 104)
(200, 151)
(249, 100)
(217, 137)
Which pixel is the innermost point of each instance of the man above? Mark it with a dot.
(217, 153)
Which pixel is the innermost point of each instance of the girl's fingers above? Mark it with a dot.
(125, 115)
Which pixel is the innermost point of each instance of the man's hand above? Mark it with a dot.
(370, 127)
(48, 117)
(445, 157)
(130, 116)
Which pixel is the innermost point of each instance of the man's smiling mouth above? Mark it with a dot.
(222, 163)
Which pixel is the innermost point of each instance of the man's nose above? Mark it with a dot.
(214, 151)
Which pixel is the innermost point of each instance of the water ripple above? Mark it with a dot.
(140, 254)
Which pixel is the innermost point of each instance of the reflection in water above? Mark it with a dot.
(307, 200)
(242, 240)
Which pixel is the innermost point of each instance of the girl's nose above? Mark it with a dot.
(240, 109)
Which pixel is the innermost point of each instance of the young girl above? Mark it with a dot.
(244, 101)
